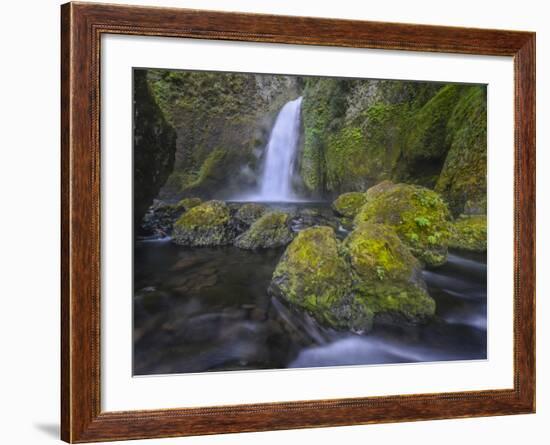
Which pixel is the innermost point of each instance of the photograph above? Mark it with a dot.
(288, 221)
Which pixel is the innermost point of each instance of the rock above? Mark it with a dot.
(154, 147)
(387, 277)
(348, 204)
(310, 217)
(160, 218)
(419, 216)
(271, 230)
(381, 187)
(250, 212)
(188, 203)
(222, 120)
(469, 233)
(208, 224)
(463, 178)
(314, 276)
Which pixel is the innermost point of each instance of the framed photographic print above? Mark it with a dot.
(275, 222)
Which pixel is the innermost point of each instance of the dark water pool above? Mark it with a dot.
(207, 309)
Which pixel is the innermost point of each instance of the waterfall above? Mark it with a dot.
(276, 179)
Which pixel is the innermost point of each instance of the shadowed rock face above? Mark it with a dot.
(154, 147)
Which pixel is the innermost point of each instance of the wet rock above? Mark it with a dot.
(188, 203)
(348, 204)
(271, 230)
(348, 285)
(311, 217)
(419, 216)
(314, 276)
(208, 224)
(248, 213)
(469, 233)
(379, 188)
(160, 217)
(387, 277)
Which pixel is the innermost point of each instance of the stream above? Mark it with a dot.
(207, 309)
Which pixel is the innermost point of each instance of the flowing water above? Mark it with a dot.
(280, 155)
(207, 309)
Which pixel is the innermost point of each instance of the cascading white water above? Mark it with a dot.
(276, 180)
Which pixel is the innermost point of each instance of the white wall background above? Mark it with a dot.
(29, 220)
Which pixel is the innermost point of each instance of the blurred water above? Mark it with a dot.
(207, 309)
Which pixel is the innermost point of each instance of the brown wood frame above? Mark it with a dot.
(82, 25)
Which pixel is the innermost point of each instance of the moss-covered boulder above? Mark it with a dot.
(313, 275)
(250, 212)
(387, 277)
(271, 230)
(188, 203)
(419, 216)
(208, 224)
(379, 188)
(348, 204)
(469, 233)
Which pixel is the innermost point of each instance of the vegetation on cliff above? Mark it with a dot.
(222, 122)
(357, 133)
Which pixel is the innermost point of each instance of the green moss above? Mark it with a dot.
(419, 216)
(271, 230)
(187, 204)
(469, 233)
(208, 224)
(249, 212)
(386, 275)
(346, 285)
(463, 179)
(379, 188)
(348, 204)
(313, 275)
(374, 248)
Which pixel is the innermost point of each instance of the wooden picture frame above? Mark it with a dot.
(82, 26)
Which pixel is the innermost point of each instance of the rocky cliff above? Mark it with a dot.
(154, 147)
(359, 132)
(222, 122)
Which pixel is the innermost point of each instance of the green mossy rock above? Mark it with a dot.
(314, 276)
(348, 204)
(250, 212)
(419, 216)
(469, 233)
(387, 277)
(271, 230)
(208, 224)
(463, 178)
(188, 203)
(379, 188)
